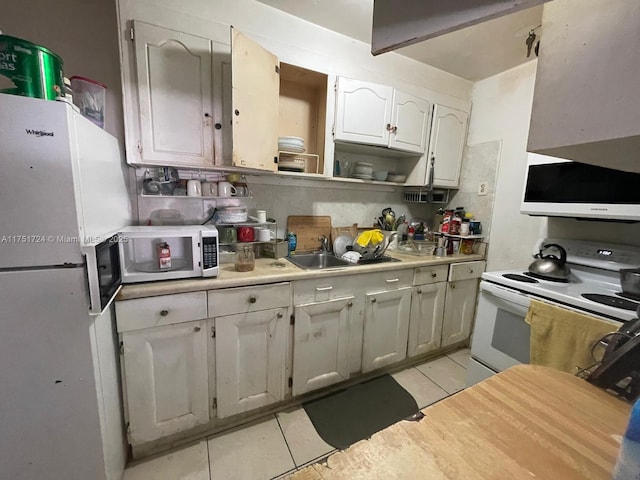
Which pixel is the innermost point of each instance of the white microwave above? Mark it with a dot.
(150, 253)
(563, 188)
(131, 256)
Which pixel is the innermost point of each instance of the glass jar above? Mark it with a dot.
(245, 259)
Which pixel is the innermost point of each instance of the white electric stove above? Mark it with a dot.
(501, 336)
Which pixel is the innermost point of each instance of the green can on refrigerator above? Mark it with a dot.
(33, 70)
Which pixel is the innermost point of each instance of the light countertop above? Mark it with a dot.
(269, 270)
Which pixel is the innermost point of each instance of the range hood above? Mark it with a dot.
(415, 21)
(586, 105)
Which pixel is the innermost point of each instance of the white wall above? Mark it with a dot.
(502, 111)
(83, 33)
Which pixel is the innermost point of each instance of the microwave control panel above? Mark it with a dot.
(209, 252)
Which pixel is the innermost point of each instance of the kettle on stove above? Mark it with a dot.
(550, 267)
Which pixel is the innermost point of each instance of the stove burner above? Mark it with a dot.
(542, 277)
(519, 278)
(611, 301)
(629, 296)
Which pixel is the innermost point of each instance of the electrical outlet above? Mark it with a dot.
(483, 188)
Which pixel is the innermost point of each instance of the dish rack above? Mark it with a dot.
(421, 195)
(298, 162)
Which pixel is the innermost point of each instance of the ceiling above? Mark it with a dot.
(473, 53)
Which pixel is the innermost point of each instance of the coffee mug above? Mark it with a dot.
(246, 234)
(225, 189)
(227, 234)
(262, 215)
(194, 188)
(241, 191)
(209, 189)
(264, 234)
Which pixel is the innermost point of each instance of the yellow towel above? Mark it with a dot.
(370, 237)
(561, 338)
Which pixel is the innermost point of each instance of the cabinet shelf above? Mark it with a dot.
(185, 197)
(463, 237)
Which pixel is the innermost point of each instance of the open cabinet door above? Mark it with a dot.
(255, 87)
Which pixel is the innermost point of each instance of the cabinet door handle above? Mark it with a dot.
(394, 129)
(252, 299)
(164, 313)
(453, 285)
(324, 289)
(196, 329)
(392, 280)
(388, 127)
(434, 275)
(419, 292)
(373, 300)
(350, 304)
(279, 315)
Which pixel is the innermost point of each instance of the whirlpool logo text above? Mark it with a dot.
(39, 133)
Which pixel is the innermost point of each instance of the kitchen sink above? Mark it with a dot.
(317, 261)
(320, 260)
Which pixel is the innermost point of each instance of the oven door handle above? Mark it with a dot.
(506, 294)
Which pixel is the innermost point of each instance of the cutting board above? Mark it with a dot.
(308, 228)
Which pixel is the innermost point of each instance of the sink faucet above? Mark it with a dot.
(324, 243)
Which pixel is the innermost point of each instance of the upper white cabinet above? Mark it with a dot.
(446, 146)
(363, 112)
(174, 94)
(373, 114)
(586, 105)
(409, 123)
(255, 86)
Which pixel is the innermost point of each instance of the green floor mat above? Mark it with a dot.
(348, 416)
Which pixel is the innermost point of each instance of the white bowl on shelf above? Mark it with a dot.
(396, 177)
(380, 175)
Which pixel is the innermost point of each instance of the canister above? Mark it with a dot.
(33, 70)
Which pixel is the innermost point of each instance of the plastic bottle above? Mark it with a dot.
(410, 232)
(293, 242)
(628, 464)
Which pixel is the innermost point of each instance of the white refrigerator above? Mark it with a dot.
(62, 186)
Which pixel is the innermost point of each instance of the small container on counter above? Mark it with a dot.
(245, 259)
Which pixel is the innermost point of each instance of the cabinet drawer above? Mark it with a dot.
(321, 289)
(433, 274)
(466, 270)
(161, 310)
(248, 299)
(391, 280)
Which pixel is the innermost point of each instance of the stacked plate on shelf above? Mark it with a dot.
(291, 144)
(291, 162)
(363, 171)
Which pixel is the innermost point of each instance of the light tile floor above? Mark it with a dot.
(281, 443)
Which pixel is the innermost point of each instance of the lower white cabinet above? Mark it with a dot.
(165, 379)
(386, 327)
(425, 322)
(321, 343)
(460, 307)
(250, 360)
(460, 304)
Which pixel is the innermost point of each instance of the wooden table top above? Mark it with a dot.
(526, 422)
